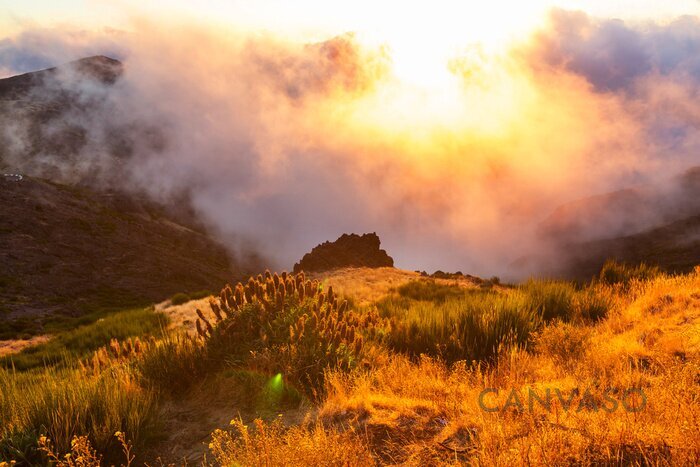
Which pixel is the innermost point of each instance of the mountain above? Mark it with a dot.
(658, 225)
(48, 124)
(70, 250)
(73, 240)
(674, 247)
(101, 69)
(624, 212)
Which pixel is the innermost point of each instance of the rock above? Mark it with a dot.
(348, 251)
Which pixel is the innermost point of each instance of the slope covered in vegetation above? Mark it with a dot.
(429, 372)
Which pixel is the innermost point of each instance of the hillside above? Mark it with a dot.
(71, 250)
(656, 225)
(674, 247)
(412, 371)
(624, 212)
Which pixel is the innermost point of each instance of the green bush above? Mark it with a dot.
(429, 290)
(180, 299)
(286, 324)
(200, 294)
(594, 303)
(469, 328)
(178, 358)
(550, 299)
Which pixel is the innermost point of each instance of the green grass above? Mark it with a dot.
(550, 299)
(61, 403)
(614, 273)
(20, 328)
(468, 328)
(82, 340)
(471, 324)
(175, 358)
(430, 290)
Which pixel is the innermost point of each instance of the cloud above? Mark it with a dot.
(281, 146)
(613, 55)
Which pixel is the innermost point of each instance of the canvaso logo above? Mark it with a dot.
(632, 400)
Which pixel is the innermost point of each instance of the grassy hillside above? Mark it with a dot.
(429, 372)
(68, 251)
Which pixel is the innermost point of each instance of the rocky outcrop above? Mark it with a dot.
(348, 251)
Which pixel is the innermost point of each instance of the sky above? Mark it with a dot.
(453, 129)
(311, 17)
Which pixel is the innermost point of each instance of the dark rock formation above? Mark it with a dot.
(348, 251)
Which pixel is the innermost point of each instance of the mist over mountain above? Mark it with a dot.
(276, 147)
(656, 224)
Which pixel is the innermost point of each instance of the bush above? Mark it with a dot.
(614, 273)
(284, 323)
(564, 342)
(594, 303)
(470, 328)
(200, 294)
(550, 299)
(180, 299)
(429, 290)
(179, 358)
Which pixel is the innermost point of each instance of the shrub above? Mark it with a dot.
(180, 299)
(200, 294)
(470, 328)
(284, 323)
(594, 303)
(550, 299)
(564, 342)
(614, 273)
(429, 290)
(176, 358)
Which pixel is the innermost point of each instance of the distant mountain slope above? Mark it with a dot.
(624, 212)
(71, 250)
(656, 225)
(99, 68)
(674, 247)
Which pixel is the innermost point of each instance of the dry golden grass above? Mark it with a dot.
(426, 413)
(183, 317)
(398, 410)
(364, 285)
(270, 444)
(368, 285)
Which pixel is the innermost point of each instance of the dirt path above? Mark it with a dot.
(14, 346)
